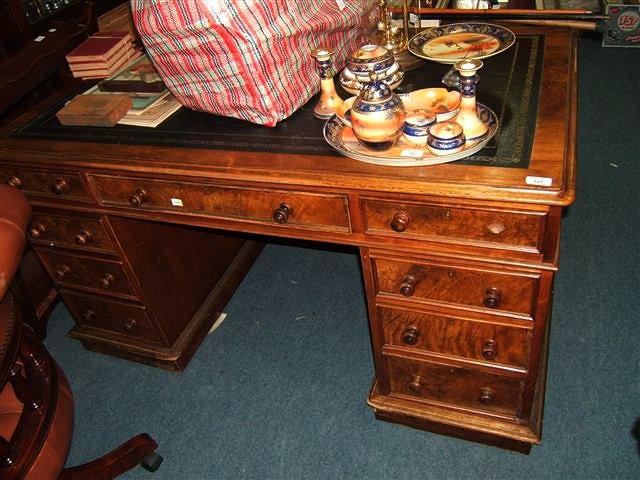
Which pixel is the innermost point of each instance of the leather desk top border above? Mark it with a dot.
(509, 84)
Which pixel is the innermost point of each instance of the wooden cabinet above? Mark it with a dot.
(141, 290)
(458, 259)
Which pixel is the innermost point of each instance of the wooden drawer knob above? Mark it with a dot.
(496, 228)
(60, 186)
(14, 182)
(490, 350)
(487, 396)
(281, 214)
(492, 297)
(88, 315)
(62, 272)
(400, 222)
(107, 280)
(36, 230)
(408, 286)
(130, 326)
(138, 197)
(83, 237)
(416, 384)
(410, 336)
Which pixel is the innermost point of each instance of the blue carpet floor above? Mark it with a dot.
(278, 391)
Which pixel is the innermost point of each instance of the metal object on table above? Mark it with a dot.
(395, 37)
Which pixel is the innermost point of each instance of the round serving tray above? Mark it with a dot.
(457, 41)
(403, 153)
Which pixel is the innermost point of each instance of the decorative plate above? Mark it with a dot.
(450, 43)
(403, 153)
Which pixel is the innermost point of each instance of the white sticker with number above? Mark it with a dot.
(176, 202)
(412, 152)
(341, 4)
(538, 181)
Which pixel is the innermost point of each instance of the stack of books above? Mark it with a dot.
(138, 85)
(101, 55)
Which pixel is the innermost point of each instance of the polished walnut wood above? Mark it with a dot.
(458, 260)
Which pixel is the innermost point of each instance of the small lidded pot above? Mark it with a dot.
(445, 138)
(377, 115)
(416, 127)
(370, 58)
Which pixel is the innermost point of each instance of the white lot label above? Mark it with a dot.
(341, 4)
(538, 181)
(176, 202)
(412, 152)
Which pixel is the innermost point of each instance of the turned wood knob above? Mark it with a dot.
(492, 297)
(415, 384)
(88, 315)
(107, 280)
(60, 186)
(408, 286)
(130, 326)
(281, 214)
(36, 230)
(83, 237)
(487, 395)
(490, 350)
(400, 222)
(14, 182)
(410, 336)
(138, 197)
(62, 272)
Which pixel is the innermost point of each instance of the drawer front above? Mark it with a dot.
(102, 276)
(293, 208)
(459, 284)
(131, 322)
(68, 231)
(45, 184)
(465, 338)
(521, 230)
(455, 386)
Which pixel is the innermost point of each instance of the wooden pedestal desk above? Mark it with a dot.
(458, 259)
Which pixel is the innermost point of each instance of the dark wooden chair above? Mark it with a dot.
(36, 403)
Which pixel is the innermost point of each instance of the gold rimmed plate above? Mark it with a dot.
(457, 41)
(403, 153)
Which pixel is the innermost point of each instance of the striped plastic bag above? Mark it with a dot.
(248, 59)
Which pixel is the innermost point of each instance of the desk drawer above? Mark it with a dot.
(103, 276)
(473, 285)
(293, 208)
(461, 337)
(520, 230)
(87, 233)
(45, 183)
(455, 386)
(130, 322)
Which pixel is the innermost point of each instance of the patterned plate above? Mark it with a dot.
(450, 43)
(403, 153)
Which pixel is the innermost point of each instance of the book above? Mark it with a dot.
(102, 71)
(99, 47)
(94, 110)
(140, 102)
(125, 52)
(153, 116)
(139, 76)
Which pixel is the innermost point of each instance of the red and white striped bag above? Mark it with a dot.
(247, 59)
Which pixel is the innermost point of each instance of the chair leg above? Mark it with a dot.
(139, 449)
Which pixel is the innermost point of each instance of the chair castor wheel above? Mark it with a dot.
(151, 462)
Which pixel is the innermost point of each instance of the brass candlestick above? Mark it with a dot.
(394, 37)
(329, 99)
